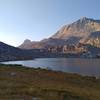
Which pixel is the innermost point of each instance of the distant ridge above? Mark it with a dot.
(10, 53)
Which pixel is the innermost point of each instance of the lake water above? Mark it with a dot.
(90, 67)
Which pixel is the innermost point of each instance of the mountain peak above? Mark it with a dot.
(80, 28)
(84, 18)
(27, 41)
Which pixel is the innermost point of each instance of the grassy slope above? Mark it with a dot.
(20, 83)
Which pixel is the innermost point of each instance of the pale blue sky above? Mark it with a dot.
(38, 19)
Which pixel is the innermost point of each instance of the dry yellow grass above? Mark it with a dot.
(20, 83)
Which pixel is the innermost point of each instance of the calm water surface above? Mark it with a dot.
(81, 66)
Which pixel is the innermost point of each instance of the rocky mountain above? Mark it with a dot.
(9, 53)
(79, 39)
(42, 44)
(82, 28)
(85, 31)
(80, 31)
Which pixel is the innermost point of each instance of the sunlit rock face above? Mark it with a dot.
(81, 28)
(85, 31)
